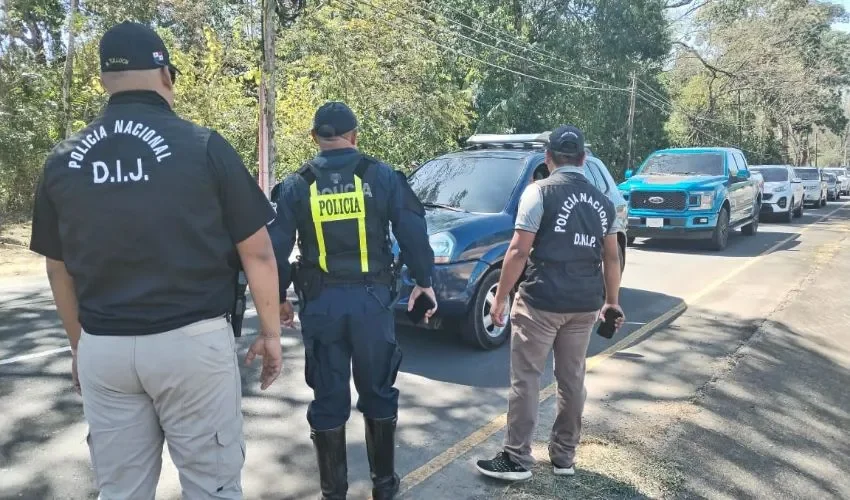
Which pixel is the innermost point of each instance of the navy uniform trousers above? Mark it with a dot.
(350, 327)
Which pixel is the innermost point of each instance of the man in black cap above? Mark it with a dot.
(143, 218)
(564, 231)
(341, 204)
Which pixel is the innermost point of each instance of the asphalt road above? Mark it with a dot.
(448, 389)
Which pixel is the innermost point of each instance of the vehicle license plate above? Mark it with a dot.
(650, 222)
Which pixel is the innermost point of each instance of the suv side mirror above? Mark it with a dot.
(629, 173)
(743, 175)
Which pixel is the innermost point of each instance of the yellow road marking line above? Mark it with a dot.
(416, 477)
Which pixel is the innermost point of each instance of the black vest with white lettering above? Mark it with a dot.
(347, 235)
(565, 266)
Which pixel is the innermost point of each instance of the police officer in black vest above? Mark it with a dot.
(144, 218)
(565, 232)
(341, 203)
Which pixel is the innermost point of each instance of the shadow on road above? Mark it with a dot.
(770, 416)
(739, 245)
(459, 363)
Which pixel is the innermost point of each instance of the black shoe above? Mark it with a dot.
(333, 467)
(380, 447)
(502, 467)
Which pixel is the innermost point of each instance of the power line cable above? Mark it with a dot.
(397, 15)
(527, 46)
(463, 54)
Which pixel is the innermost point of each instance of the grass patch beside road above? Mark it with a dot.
(16, 259)
(605, 470)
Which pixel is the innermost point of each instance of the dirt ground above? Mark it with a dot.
(16, 259)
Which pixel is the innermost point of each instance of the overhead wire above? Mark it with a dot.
(607, 87)
(525, 44)
(463, 54)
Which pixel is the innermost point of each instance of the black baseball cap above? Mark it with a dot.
(132, 46)
(566, 140)
(334, 119)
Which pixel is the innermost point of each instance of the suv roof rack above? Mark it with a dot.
(511, 141)
(507, 141)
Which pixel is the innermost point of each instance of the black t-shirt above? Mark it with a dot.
(145, 210)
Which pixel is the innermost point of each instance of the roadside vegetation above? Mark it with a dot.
(769, 76)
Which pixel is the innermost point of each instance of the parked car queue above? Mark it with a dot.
(471, 199)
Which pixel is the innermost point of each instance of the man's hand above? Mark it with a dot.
(268, 348)
(74, 376)
(418, 291)
(619, 322)
(287, 314)
(497, 312)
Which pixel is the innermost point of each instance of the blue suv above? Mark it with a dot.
(471, 199)
(692, 193)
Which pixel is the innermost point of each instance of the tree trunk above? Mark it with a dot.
(68, 77)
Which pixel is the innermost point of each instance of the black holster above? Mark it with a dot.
(237, 313)
(307, 281)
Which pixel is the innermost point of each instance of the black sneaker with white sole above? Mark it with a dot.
(563, 471)
(502, 467)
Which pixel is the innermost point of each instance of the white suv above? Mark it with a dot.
(814, 184)
(783, 191)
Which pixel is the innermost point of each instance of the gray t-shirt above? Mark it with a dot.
(530, 210)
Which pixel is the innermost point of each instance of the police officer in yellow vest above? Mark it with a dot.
(341, 204)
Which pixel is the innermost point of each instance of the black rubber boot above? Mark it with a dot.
(333, 467)
(380, 445)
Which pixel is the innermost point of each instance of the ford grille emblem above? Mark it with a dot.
(656, 200)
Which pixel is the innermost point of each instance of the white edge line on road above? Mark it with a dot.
(34, 355)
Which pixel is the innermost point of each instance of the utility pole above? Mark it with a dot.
(816, 147)
(631, 119)
(740, 122)
(68, 76)
(267, 99)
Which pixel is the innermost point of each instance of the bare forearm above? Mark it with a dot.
(515, 261)
(611, 273)
(65, 297)
(263, 282)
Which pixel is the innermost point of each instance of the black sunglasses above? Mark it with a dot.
(173, 74)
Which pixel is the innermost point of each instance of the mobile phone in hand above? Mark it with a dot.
(609, 326)
(422, 305)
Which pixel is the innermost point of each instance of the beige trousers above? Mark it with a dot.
(182, 386)
(534, 335)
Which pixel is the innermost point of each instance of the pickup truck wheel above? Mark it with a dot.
(752, 228)
(479, 330)
(720, 237)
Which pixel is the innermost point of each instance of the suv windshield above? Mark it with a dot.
(773, 174)
(830, 178)
(808, 174)
(684, 164)
(472, 184)
(836, 171)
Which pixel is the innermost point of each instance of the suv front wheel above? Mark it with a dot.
(478, 329)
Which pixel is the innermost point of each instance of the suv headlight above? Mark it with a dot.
(780, 189)
(443, 245)
(706, 200)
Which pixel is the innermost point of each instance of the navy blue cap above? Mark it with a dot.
(566, 140)
(334, 119)
(132, 46)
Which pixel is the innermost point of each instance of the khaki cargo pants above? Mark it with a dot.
(535, 334)
(182, 386)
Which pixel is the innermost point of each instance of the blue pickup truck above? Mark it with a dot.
(692, 193)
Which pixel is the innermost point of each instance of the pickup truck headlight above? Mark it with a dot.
(706, 200)
(443, 245)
